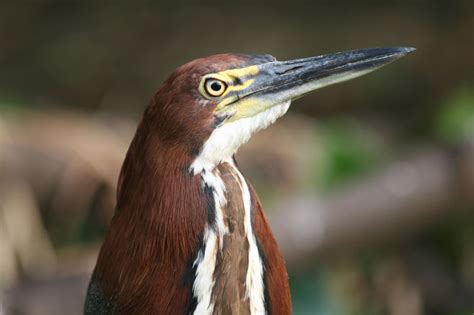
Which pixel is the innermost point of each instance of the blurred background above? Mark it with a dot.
(369, 184)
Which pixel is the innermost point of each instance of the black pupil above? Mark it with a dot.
(216, 86)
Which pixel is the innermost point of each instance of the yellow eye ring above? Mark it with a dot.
(215, 87)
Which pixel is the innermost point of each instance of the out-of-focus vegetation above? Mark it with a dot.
(428, 273)
(369, 184)
(455, 120)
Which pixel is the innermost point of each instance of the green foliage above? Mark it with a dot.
(311, 295)
(456, 118)
(11, 105)
(347, 151)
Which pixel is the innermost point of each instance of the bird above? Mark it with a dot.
(189, 234)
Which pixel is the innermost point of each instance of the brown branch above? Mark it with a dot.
(394, 202)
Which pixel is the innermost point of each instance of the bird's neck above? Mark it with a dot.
(174, 232)
(146, 258)
(229, 269)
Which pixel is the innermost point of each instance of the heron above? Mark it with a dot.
(189, 234)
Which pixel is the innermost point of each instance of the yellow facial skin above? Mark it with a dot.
(237, 80)
(230, 77)
(254, 89)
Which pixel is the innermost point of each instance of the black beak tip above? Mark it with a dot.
(402, 51)
(391, 53)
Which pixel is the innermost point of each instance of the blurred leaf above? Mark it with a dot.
(311, 295)
(12, 104)
(456, 118)
(347, 151)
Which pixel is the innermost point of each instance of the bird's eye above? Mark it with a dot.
(215, 87)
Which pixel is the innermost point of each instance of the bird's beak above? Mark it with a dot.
(279, 82)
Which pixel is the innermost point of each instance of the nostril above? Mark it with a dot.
(288, 70)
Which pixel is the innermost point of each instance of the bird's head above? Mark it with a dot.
(213, 105)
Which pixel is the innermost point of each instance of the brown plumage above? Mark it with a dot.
(145, 263)
(189, 235)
